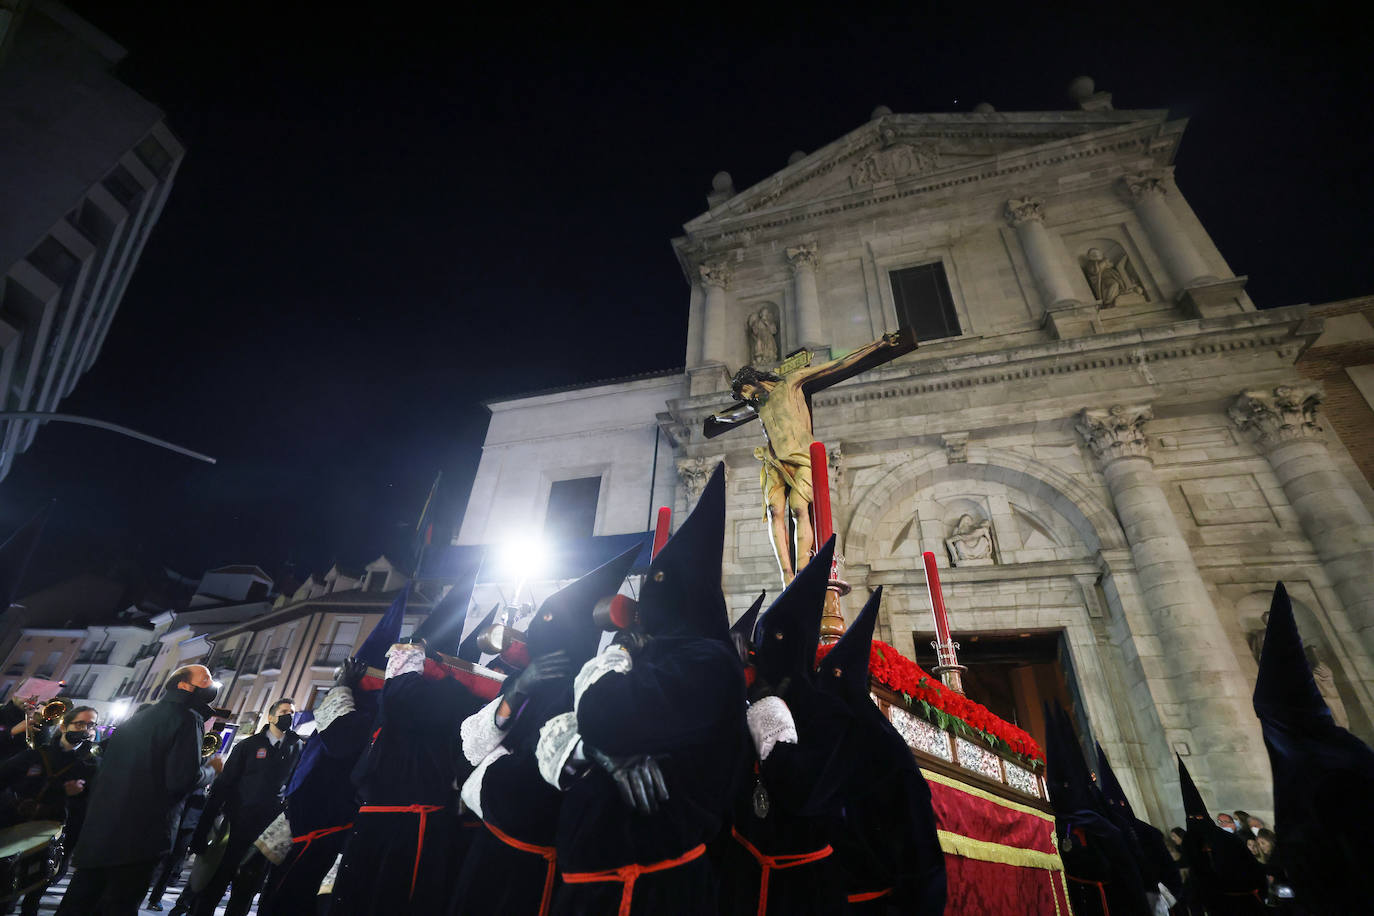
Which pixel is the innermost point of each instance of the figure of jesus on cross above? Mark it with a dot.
(782, 403)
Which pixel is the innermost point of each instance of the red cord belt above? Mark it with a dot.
(866, 896)
(629, 874)
(312, 836)
(424, 811)
(548, 853)
(768, 863)
(1101, 889)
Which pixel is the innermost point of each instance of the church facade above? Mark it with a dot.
(1113, 453)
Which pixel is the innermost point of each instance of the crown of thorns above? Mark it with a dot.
(750, 376)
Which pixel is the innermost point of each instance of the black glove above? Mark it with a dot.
(631, 639)
(638, 778)
(350, 673)
(763, 688)
(551, 667)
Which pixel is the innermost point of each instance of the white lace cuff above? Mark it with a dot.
(331, 876)
(472, 787)
(275, 841)
(614, 659)
(770, 722)
(558, 738)
(480, 734)
(404, 658)
(337, 702)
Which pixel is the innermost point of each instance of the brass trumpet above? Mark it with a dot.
(209, 745)
(43, 716)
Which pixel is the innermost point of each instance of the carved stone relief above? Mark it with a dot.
(1284, 414)
(803, 257)
(1112, 276)
(899, 160)
(971, 542)
(716, 274)
(1118, 432)
(1025, 209)
(763, 336)
(694, 473)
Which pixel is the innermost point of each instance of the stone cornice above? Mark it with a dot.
(1282, 330)
(722, 228)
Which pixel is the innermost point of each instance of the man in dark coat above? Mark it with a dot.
(1157, 866)
(511, 865)
(405, 846)
(1323, 803)
(149, 765)
(320, 799)
(1227, 880)
(664, 704)
(778, 858)
(172, 864)
(248, 794)
(889, 851)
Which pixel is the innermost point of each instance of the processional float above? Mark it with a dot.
(986, 775)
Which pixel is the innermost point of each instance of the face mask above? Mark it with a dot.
(75, 738)
(204, 694)
(283, 722)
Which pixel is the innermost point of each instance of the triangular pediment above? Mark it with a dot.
(903, 147)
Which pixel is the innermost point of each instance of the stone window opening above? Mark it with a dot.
(923, 301)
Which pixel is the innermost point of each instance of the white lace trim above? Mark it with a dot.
(614, 659)
(770, 723)
(336, 703)
(327, 882)
(558, 738)
(480, 734)
(275, 841)
(404, 658)
(472, 786)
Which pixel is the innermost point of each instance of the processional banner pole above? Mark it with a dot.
(832, 618)
(946, 649)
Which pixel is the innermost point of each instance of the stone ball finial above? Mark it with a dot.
(1082, 88)
(881, 111)
(722, 182)
(983, 108)
(797, 156)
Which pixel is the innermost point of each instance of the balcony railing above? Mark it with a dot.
(252, 663)
(94, 656)
(148, 651)
(272, 661)
(332, 654)
(45, 673)
(225, 661)
(83, 689)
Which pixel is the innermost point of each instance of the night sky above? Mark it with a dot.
(388, 214)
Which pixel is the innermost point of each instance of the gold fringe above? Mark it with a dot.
(984, 851)
(985, 795)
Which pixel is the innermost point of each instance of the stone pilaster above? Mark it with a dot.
(1201, 696)
(1285, 425)
(810, 333)
(715, 280)
(1064, 313)
(1181, 258)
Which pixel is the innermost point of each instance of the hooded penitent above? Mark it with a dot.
(744, 627)
(442, 630)
(1157, 866)
(1322, 775)
(385, 633)
(564, 621)
(681, 595)
(1099, 858)
(1227, 878)
(786, 634)
(844, 670)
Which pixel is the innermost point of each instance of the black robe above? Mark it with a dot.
(889, 841)
(319, 801)
(400, 862)
(803, 783)
(1227, 880)
(518, 807)
(1103, 874)
(683, 701)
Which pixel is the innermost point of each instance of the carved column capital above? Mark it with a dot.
(694, 473)
(1117, 432)
(956, 447)
(1021, 210)
(803, 257)
(716, 273)
(1284, 414)
(1141, 185)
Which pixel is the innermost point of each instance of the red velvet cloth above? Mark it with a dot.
(979, 819)
(992, 889)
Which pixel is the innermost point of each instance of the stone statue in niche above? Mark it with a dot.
(1113, 280)
(763, 336)
(1326, 685)
(971, 542)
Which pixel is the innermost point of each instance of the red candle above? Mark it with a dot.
(665, 516)
(820, 493)
(937, 600)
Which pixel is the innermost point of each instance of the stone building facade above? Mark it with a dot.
(1112, 451)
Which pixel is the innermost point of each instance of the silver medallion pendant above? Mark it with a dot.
(761, 801)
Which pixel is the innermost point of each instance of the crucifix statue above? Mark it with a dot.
(781, 401)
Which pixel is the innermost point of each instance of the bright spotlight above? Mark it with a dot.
(523, 558)
(119, 710)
